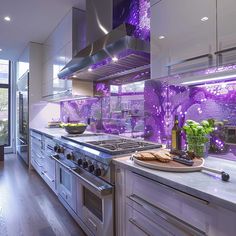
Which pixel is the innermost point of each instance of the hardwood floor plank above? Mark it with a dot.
(28, 207)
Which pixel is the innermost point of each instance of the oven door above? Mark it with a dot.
(66, 185)
(95, 204)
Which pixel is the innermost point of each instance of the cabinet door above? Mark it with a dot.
(182, 30)
(226, 14)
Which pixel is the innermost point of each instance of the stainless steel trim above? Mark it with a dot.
(51, 180)
(134, 222)
(135, 53)
(61, 163)
(101, 190)
(37, 163)
(104, 190)
(187, 196)
(225, 50)
(209, 56)
(168, 217)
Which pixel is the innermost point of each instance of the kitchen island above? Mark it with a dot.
(197, 203)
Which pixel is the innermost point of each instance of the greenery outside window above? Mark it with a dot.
(4, 102)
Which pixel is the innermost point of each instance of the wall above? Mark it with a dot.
(39, 112)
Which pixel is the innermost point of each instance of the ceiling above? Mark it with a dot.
(31, 21)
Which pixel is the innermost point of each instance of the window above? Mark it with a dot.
(4, 102)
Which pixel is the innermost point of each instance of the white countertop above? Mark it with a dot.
(205, 185)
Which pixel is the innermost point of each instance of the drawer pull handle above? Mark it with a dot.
(185, 195)
(168, 217)
(134, 222)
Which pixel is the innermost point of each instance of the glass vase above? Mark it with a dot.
(198, 144)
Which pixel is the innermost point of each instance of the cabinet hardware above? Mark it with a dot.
(225, 50)
(92, 223)
(220, 56)
(185, 195)
(102, 190)
(209, 56)
(134, 222)
(51, 180)
(168, 217)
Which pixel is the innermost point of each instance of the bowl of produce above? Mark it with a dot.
(74, 128)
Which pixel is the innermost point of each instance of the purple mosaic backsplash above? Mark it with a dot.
(147, 110)
(134, 12)
(119, 113)
(163, 101)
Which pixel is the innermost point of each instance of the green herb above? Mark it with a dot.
(199, 130)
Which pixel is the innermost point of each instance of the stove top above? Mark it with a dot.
(122, 145)
(113, 145)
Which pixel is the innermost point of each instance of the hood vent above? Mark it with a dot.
(115, 54)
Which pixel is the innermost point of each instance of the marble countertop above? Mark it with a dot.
(204, 185)
(52, 132)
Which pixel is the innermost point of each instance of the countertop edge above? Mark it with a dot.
(212, 199)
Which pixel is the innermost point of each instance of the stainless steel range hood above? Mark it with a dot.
(115, 54)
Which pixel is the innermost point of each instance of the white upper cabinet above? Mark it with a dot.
(183, 36)
(64, 42)
(226, 15)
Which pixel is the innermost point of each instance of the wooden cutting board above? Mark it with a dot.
(172, 165)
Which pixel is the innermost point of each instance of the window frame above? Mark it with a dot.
(8, 86)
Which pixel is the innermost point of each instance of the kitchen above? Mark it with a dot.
(119, 118)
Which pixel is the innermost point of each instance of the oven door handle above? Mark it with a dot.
(103, 190)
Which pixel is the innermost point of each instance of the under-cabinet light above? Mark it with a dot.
(161, 37)
(223, 77)
(90, 69)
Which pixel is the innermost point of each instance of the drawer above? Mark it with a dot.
(188, 208)
(139, 225)
(37, 166)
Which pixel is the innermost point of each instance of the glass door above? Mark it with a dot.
(5, 104)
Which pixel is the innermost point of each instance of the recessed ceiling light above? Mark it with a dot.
(161, 37)
(205, 18)
(114, 59)
(90, 69)
(7, 18)
(74, 76)
(0, 49)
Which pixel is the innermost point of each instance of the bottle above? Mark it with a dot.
(176, 136)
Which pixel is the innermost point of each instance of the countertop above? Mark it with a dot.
(51, 132)
(204, 185)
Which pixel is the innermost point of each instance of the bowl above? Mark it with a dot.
(75, 129)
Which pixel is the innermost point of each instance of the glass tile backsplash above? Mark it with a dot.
(147, 109)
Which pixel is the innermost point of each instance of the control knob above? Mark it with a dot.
(79, 161)
(85, 164)
(99, 171)
(58, 149)
(55, 148)
(70, 156)
(91, 168)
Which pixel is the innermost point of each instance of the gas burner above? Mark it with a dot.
(121, 146)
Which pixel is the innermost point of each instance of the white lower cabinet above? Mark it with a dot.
(147, 207)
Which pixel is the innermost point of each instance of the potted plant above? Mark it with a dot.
(197, 136)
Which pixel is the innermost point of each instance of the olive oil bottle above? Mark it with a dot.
(176, 136)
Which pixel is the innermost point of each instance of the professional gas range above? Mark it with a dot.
(85, 177)
(94, 152)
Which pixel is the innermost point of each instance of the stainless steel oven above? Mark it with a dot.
(66, 185)
(95, 203)
(22, 118)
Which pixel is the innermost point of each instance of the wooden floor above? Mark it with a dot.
(28, 207)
